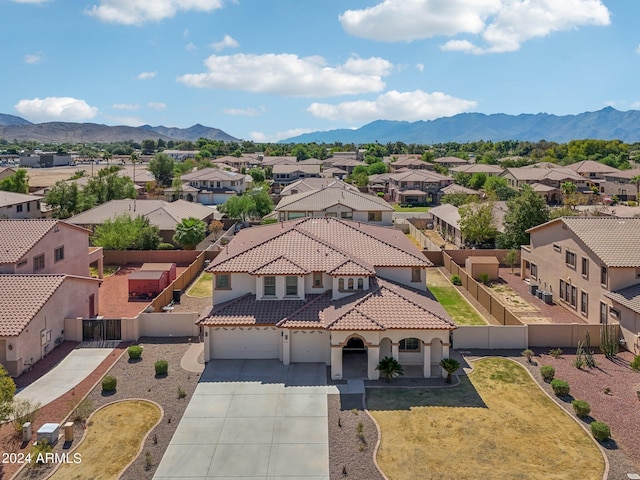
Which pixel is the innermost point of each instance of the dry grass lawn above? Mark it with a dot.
(451, 300)
(114, 436)
(496, 424)
(202, 287)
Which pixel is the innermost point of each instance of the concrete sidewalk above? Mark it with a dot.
(74, 368)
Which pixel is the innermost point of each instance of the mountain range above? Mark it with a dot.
(16, 128)
(605, 124)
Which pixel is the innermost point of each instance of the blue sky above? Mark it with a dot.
(265, 70)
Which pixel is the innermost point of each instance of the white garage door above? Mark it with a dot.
(310, 346)
(259, 342)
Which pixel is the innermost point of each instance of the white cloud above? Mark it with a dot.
(394, 105)
(34, 58)
(146, 75)
(226, 42)
(137, 12)
(264, 138)
(190, 47)
(125, 106)
(290, 75)
(157, 105)
(33, 2)
(635, 106)
(247, 112)
(186, 33)
(503, 25)
(50, 109)
(420, 67)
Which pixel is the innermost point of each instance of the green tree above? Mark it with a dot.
(162, 168)
(477, 180)
(68, 199)
(239, 207)
(389, 368)
(17, 183)
(450, 365)
(109, 185)
(262, 202)
(525, 211)
(258, 175)
(511, 258)
(190, 232)
(126, 233)
(498, 188)
(7, 391)
(458, 199)
(148, 147)
(477, 223)
(376, 168)
(636, 181)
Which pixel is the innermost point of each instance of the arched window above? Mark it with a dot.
(350, 284)
(360, 283)
(341, 284)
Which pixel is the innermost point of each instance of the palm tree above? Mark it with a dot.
(190, 232)
(450, 365)
(390, 368)
(636, 180)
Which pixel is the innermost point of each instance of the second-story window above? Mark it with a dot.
(291, 286)
(585, 267)
(317, 279)
(603, 275)
(416, 275)
(58, 254)
(38, 263)
(375, 216)
(223, 282)
(570, 258)
(269, 286)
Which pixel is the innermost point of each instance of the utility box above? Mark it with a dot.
(147, 284)
(26, 432)
(68, 432)
(533, 288)
(48, 432)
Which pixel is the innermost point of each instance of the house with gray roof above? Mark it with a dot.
(591, 265)
(338, 200)
(19, 205)
(214, 186)
(285, 174)
(325, 290)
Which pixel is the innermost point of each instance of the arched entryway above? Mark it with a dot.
(354, 358)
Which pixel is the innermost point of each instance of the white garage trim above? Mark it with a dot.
(244, 342)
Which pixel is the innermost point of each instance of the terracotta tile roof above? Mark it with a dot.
(280, 266)
(455, 188)
(352, 268)
(19, 236)
(318, 245)
(478, 168)
(588, 166)
(209, 174)
(319, 200)
(22, 297)
(628, 297)
(315, 183)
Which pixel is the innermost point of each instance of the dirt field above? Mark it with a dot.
(45, 177)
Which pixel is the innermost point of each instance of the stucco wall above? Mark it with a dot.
(167, 325)
(241, 284)
(402, 275)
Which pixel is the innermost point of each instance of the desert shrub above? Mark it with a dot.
(456, 280)
(181, 392)
(162, 367)
(547, 372)
(600, 431)
(109, 383)
(23, 411)
(268, 221)
(39, 451)
(484, 278)
(635, 363)
(380, 194)
(165, 246)
(135, 352)
(82, 411)
(581, 408)
(224, 240)
(528, 354)
(560, 387)
(556, 352)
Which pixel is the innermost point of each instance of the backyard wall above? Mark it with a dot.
(563, 335)
(490, 337)
(167, 325)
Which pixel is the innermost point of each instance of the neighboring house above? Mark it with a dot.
(347, 164)
(334, 172)
(44, 278)
(552, 177)
(336, 200)
(308, 290)
(273, 161)
(446, 220)
(238, 163)
(488, 170)
(413, 186)
(19, 205)
(215, 186)
(284, 174)
(165, 215)
(408, 161)
(455, 188)
(309, 184)
(591, 265)
(6, 172)
(620, 185)
(592, 170)
(450, 162)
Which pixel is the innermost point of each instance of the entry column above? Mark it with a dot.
(336, 362)
(426, 359)
(394, 350)
(373, 358)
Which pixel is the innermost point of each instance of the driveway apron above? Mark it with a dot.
(253, 419)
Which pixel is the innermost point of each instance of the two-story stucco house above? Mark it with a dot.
(591, 265)
(214, 185)
(44, 278)
(313, 289)
(19, 205)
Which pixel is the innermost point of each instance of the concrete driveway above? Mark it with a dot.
(253, 419)
(73, 369)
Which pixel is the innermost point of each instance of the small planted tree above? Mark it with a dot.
(547, 372)
(582, 408)
(24, 411)
(528, 354)
(109, 383)
(390, 368)
(450, 365)
(135, 352)
(600, 431)
(511, 258)
(161, 367)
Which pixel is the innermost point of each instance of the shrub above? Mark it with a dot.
(82, 411)
(556, 352)
(162, 367)
(560, 387)
(528, 353)
(165, 246)
(380, 194)
(635, 363)
(135, 352)
(39, 451)
(181, 392)
(484, 278)
(23, 411)
(581, 408)
(109, 383)
(548, 372)
(456, 280)
(600, 431)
